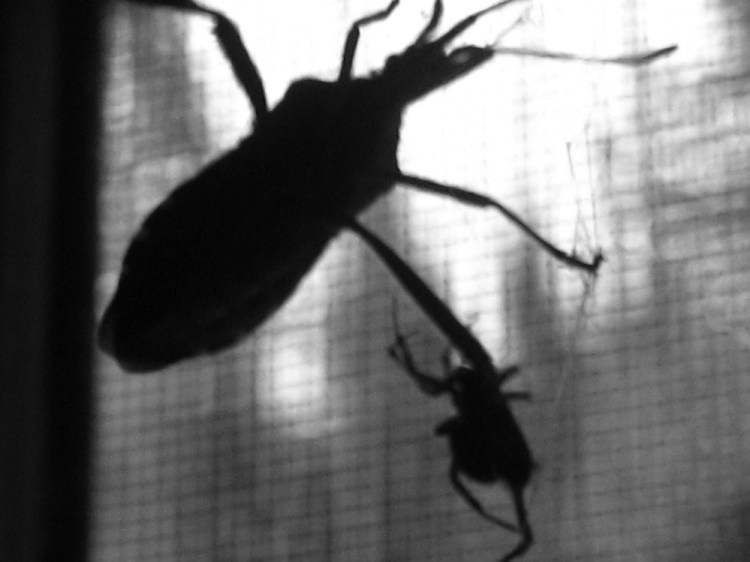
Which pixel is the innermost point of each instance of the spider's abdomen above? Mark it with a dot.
(488, 446)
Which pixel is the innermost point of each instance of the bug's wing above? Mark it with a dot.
(210, 264)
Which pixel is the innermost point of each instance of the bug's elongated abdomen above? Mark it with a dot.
(208, 265)
(229, 247)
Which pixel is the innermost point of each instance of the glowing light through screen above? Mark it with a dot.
(307, 433)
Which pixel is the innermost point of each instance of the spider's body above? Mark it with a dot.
(480, 453)
(486, 442)
(488, 445)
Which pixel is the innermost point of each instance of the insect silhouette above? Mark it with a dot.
(228, 247)
(486, 442)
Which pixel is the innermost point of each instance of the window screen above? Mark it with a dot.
(307, 442)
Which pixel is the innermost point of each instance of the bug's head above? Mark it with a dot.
(423, 68)
(429, 62)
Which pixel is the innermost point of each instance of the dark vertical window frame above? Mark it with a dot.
(49, 121)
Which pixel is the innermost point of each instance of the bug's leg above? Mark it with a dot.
(231, 44)
(437, 14)
(469, 498)
(244, 68)
(352, 38)
(527, 536)
(477, 200)
(440, 314)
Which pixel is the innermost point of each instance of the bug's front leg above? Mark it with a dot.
(231, 44)
(352, 39)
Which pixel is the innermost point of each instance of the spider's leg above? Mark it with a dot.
(527, 536)
(459, 335)
(400, 352)
(234, 49)
(507, 373)
(352, 38)
(477, 200)
(469, 498)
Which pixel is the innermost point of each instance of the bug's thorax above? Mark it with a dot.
(334, 144)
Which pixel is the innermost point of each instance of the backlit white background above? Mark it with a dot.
(307, 443)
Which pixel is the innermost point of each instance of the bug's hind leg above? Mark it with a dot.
(352, 39)
(477, 200)
(231, 44)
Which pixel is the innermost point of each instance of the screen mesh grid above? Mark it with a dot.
(306, 442)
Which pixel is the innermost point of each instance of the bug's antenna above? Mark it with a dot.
(352, 39)
(468, 21)
(635, 59)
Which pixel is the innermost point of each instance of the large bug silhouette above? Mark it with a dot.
(486, 442)
(228, 247)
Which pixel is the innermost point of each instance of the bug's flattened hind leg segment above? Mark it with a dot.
(352, 39)
(234, 49)
(469, 498)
